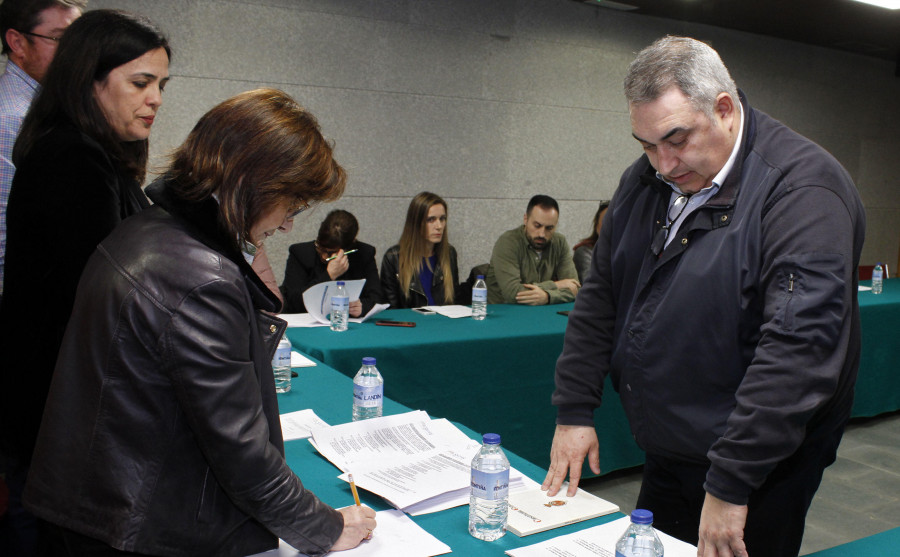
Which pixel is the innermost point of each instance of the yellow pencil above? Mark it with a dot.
(345, 253)
(353, 489)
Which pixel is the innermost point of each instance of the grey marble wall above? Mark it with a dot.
(487, 102)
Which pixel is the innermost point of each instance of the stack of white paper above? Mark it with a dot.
(417, 464)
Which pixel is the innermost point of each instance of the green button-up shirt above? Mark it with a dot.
(514, 263)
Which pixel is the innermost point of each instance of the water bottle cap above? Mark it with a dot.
(340, 283)
(480, 277)
(491, 438)
(368, 361)
(641, 516)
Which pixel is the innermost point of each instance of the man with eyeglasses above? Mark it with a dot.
(722, 303)
(30, 30)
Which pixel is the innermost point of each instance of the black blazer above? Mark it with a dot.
(67, 196)
(305, 268)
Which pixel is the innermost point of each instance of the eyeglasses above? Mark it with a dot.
(54, 39)
(659, 241)
(296, 212)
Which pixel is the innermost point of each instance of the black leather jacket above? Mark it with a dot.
(390, 283)
(161, 433)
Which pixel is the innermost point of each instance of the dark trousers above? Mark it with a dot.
(673, 491)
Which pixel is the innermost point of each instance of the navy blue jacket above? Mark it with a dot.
(741, 340)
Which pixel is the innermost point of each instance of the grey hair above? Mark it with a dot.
(692, 66)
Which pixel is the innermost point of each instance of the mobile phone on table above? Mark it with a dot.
(390, 323)
(423, 311)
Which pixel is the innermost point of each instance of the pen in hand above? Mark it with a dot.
(353, 489)
(345, 253)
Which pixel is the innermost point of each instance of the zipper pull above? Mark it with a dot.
(791, 282)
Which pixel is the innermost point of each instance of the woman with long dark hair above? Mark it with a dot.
(421, 270)
(80, 160)
(163, 398)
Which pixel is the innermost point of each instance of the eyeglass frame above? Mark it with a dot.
(54, 39)
(294, 213)
(662, 235)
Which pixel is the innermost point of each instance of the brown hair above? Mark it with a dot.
(338, 230)
(252, 151)
(413, 244)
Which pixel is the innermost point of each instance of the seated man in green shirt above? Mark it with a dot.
(531, 264)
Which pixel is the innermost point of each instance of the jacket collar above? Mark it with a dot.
(202, 219)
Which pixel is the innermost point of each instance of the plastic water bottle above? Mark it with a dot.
(877, 279)
(340, 308)
(640, 539)
(479, 299)
(489, 496)
(368, 391)
(281, 365)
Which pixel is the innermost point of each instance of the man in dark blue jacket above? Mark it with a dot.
(722, 303)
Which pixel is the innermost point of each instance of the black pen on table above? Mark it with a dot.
(345, 253)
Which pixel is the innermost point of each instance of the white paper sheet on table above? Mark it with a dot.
(396, 534)
(452, 311)
(317, 298)
(297, 425)
(599, 541)
(299, 360)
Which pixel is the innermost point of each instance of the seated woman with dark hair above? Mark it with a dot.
(585, 248)
(421, 270)
(326, 259)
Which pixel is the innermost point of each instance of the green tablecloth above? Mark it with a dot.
(878, 384)
(494, 375)
(329, 394)
(497, 374)
(885, 544)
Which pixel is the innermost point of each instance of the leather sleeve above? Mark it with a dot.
(390, 282)
(206, 351)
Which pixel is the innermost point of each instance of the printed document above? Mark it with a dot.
(599, 541)
(409, 459)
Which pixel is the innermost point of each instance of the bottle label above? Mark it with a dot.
(368, 397)
(282, 357)
(479, 295)
(340, 303)
(490, 485)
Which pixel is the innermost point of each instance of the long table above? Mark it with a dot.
(497, 374)
(330, 394)
(878, 384)
(494, 375)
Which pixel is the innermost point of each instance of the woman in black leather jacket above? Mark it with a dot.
(421, 270)
(161, 433)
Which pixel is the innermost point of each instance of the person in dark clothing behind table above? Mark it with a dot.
(421, 270)
(161, 434)
(308, 264)
(722, 303)
(80, 159)
(583, 250)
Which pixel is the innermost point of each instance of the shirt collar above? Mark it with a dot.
(14, 69)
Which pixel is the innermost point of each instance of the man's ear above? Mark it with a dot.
(15, 40)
